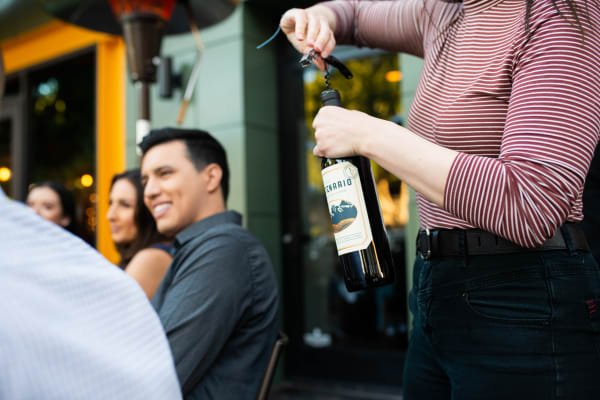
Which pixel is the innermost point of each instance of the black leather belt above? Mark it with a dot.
(460, 242)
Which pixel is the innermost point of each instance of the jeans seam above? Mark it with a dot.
(551, 297)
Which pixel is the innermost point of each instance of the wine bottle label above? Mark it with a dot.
(347, 207)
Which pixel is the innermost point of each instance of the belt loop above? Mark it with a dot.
(427, 256)
(568, 239)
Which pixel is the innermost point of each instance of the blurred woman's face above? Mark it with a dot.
(46, 203)
(121, 212)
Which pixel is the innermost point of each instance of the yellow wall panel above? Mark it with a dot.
(110, 132)
(57, 39)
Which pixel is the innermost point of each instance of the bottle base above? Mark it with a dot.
(354, 286)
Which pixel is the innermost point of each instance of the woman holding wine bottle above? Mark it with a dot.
(501, 132)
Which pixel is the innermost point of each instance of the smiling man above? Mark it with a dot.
(218, 301)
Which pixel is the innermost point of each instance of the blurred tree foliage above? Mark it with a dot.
(62, 120)
(369, 91)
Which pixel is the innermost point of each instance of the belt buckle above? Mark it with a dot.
(428, 234)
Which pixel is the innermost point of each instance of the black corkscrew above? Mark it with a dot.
(314, 57)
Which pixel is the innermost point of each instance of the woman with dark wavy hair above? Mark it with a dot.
(499, 139)
(52, 201)
(145, 253)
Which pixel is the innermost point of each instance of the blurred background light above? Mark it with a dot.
(87, 180)
(393, 76)
(5, 174)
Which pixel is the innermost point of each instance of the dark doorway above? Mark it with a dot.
(47, 132)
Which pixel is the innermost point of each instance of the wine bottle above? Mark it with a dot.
(360, 236)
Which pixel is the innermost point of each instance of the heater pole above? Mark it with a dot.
(142, 125)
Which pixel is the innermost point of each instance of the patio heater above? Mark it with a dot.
(142, 23)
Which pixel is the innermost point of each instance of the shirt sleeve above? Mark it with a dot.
(552, 127)
(204, 303)
(389, 25)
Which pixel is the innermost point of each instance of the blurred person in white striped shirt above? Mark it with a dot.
(73, 326)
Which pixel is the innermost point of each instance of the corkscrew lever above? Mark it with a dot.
(340, 66)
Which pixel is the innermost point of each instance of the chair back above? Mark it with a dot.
(265, 384)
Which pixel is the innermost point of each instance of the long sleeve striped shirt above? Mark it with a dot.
(520, 103)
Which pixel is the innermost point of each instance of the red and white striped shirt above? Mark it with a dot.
(523, 109)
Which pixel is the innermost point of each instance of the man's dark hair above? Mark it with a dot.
(202, 149)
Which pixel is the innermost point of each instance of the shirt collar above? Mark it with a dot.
(198, 228)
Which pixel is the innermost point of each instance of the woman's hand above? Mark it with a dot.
(310, 28)
(341, 133)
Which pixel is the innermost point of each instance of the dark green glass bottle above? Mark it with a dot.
(361, 239)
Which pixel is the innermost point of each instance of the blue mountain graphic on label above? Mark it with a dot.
(343, 214)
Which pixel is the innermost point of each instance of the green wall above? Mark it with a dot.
(411, 70)
(235, 99)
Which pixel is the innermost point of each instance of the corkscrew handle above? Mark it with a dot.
(314, 57)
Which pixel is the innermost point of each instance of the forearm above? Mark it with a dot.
(492, 194)
(422, 165)
(390, 25)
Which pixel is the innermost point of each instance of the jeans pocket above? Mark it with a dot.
(511, 302)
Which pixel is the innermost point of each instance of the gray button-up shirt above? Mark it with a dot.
(218, 303)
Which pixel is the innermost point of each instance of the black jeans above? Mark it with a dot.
(509, 327)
